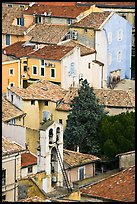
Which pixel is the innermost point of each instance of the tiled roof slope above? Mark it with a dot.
(114, 98)
(51, 34)
(57, 11)
(9, 147)
(116, 4)
(72, 158)
(94, 20)
(28, 159)
(8, 16)
(118, 187)
(9, 111)
(40, 90)
(84, 50)
(17, 50)
(51, 52)
(32, 199)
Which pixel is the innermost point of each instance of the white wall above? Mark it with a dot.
(101, 48)
(14, 133)
(24, 171)
(17, 101)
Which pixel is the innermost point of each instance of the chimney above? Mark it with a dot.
(77, 148)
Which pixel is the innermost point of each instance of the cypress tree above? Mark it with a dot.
(83, 121)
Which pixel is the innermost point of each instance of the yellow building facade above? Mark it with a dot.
(34, 69)
(10, 74)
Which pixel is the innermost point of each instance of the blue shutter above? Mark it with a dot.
(22, 21)
(7, 39)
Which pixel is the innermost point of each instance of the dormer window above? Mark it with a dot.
(38, 19)
(20, 21)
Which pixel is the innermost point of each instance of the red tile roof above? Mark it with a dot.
(113, 97)
(40, 90)
(54, 3)
(73, 158)
(57, 11)
(94, 20)
(51, 33)
(51, 52)
(110, 4)
(118, 187)
(27, 159)
(10, 111)
(17, 50)
(84, 50)
(9, 147)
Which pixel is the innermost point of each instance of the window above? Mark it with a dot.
(10, 5)
(14, 121)
(89, 65)
(81, 172)
(30, 169)
(119, 56)
(60, 121)
(21, 6)
(32, 102)
(3, 198)
(42, 71)
(109, 37)
(11, 71)
(34, 70)
(7, 39)
(25, 62)
(46, 103)
(20, 21)
(25, 68)
(124, 16)
(109, 58)
(11, 84)
(12, 98)
(52, 73)
(3, 177)
(38, 19)
(69, 21)
(42, 62)
(85, 30)
(120, 35)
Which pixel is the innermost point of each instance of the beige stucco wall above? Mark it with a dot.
(24, 171)
(126, 160)
(32, 117)
(73, 173)
(84, 37)
(12, 165)
(32, 137)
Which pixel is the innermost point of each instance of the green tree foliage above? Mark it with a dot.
(83, 121)
(117, 134)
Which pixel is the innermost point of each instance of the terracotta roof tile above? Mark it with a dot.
(111, 4)
(72, 158)
(17, 50)
(84, 50)
(51, 52)
(40, 90)
(8, 16)
(51, 34)
(9, 111)
(32, 199)
(27, 159)
(57, 11)
(119, 187)
(94, 20)
(9, 147)
(115, 98)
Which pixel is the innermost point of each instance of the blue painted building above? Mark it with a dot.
(117, 39)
